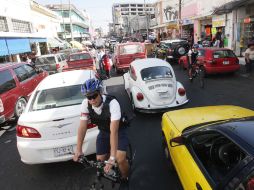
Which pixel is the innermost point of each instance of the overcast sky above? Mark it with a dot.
(99, 10)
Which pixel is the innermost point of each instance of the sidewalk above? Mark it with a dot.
(242, 71)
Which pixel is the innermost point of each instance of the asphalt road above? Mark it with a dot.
(149, 171)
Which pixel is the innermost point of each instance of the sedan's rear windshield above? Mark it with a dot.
(156, 73)
(57, 97)
(77, 57)
(45, 60)
(223, 54)
(131, 49)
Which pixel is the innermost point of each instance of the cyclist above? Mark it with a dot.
(192, 58)
(105, 112)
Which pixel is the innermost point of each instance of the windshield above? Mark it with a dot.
(45, 60)
(155, 73)
(77, 57)
(130, 49)
(224, 54)
(57, 97)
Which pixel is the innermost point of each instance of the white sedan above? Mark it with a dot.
(151, 85)
(47, 129)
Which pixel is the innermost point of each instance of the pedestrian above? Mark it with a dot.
(217, 43)
(249, 56)
(106, 64)
(99, 58)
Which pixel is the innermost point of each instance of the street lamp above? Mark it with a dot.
(70, 19)
(147, 37)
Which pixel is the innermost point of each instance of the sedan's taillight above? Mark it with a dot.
(140, 96)
(1, 105)
(181, 91)
(90, 125)
(27, 132)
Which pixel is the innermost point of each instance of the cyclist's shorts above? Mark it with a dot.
(103, 142)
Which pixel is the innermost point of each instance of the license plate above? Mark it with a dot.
(63, 150)
(163, 94)
(225, 62)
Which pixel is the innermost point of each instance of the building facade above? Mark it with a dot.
(126, 14)
(74, 23)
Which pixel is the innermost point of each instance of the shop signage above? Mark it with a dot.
(248, 20)
(218, 21)
(187, 22)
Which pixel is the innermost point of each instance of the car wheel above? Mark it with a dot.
(167, 154)
(181, 50)
(20, 107)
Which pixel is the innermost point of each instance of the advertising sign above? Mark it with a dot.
(218, 21)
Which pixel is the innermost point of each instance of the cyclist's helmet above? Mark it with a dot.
(91, 86)
(195, 46)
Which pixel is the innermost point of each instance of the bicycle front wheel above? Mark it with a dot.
(201, 77)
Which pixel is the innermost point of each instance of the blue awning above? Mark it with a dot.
(18, 45)
(32, 40)
(3, 48)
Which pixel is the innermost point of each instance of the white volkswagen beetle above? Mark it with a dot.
(151, 85)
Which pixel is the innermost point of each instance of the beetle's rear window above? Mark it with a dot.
(223, 54)
(156, 73)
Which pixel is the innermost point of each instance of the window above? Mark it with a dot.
(247, 183)
(7, 81)
(57, 97)
(131, 49)
(156, 73)
(218, 154)
(223, 54)
(31, 71)
(133, 9)
(201, 52)
(58, 58)
(63, 57)
(21, 26)
(80, 57)
(21, 73)
(3, 24)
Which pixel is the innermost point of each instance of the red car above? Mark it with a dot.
(17, 82)
(126, 53)
(214, 60)
(81, 60)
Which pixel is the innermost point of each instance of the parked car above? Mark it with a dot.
(47, 129)
(211, 147)
(151, 85)
(126, 53)
(81, 60)
(52, 63)
(17, 81)
(68, 51)
(172, 50)
(214, 60)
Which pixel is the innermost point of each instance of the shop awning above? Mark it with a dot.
(228, 7)
(3, 48)
(18, 45)
(53, 43)
(38, 40)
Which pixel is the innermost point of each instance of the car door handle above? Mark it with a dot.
(198, 186)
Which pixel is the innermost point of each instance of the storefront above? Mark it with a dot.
(248, 31)
(188, 30)
(206, 29)
(218, 29)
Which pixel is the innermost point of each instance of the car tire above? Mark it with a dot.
(181, 50)
(19, 107)
(167, 155)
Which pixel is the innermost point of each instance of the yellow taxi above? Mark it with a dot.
(211, 147)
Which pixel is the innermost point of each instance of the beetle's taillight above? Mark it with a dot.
(27, 132)
(181, 91)
(1, 106)
(140, 96)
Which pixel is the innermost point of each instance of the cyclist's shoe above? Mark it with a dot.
(190, 79)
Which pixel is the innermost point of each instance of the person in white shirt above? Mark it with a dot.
(249, 56)
(104, 111)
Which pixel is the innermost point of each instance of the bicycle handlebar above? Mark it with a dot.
(113, 175)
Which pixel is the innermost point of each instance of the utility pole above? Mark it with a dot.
(147, 33)
(180, 18)
(63, 20)
(70, 19)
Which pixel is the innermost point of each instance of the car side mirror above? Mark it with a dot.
(177, 141)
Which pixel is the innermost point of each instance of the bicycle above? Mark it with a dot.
(197, 70)
(114, 175)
